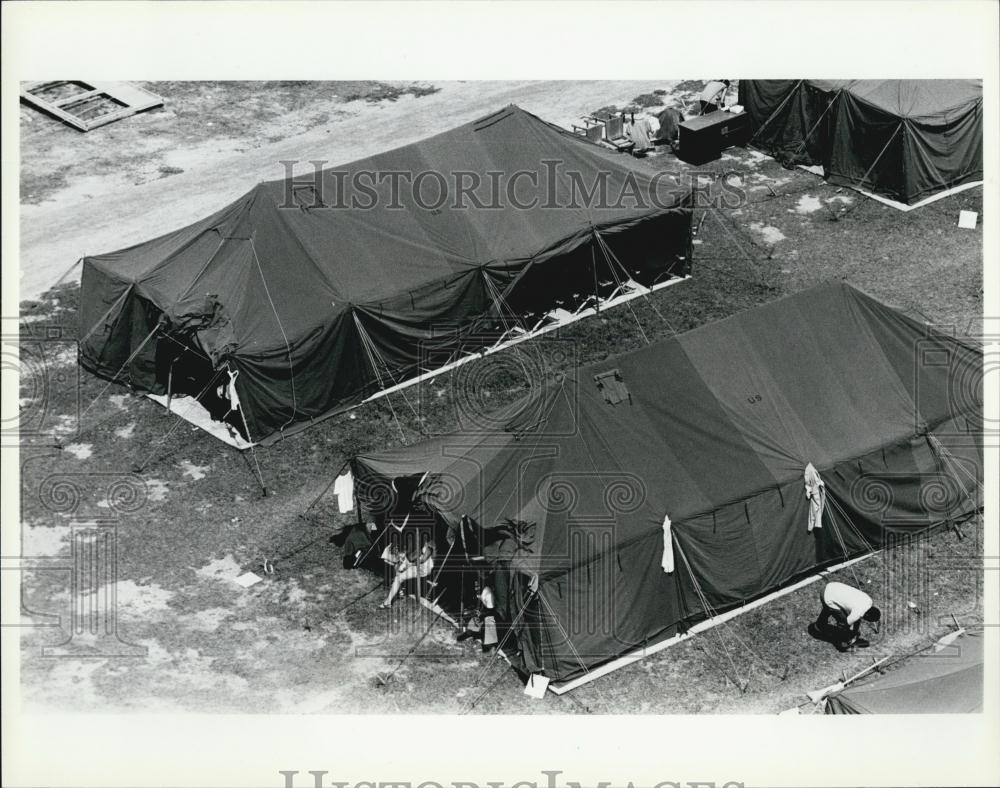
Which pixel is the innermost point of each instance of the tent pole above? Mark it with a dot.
(170, 382)
(59, 281)
(152, 455)
(593, 268)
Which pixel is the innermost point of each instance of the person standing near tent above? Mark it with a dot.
(848, 606)
(357, 544)
(713, 96)
(640, 132)
(483, 625)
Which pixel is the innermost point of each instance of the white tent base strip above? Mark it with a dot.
(640, 653)
(189, 409)
(817, 169)
(193, 412)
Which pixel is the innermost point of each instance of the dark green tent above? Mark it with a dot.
(945, 681)
(319, 293)
(905, 139)
(713, 429)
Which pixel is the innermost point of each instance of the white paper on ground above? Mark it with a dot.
(967, 219)
(536, 686)
(248, 579)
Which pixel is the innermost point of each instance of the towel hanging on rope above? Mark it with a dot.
(667, 562)
(816, 493)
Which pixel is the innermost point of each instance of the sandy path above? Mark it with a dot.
(101, 215)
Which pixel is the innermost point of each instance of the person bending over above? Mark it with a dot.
(713, 97)
(848, 606)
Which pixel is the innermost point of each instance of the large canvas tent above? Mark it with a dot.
(312, 294)
(948, 680)
(905, 139)
(649, 491)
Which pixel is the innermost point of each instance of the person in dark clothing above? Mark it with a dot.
(483, 624)
(669, 132)
(356, 545)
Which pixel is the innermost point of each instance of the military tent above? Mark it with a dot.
(652, 490)
(904, 139)
(313, 293)
(948, 680)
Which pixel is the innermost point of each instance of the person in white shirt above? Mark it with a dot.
(848, 606)
(408, 567)
(713, 97)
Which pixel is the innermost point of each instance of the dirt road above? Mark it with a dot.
(103, 211)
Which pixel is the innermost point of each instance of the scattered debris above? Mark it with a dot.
(87, 105)
(770, 234)
(967, 219)
(196, 472)
(81, 451)
(248, 579)
(808, 204)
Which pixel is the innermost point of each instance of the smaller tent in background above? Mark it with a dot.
(902, 139)
(948, 680)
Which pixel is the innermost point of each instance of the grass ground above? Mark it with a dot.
(287, 645)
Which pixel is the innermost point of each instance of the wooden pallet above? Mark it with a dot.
(87, 105)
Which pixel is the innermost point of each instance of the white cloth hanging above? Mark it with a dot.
(816, 493)
(234, 398)
(343, 488)
(667, 562)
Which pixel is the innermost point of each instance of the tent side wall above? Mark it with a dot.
(790, 120)
(338, 367)
(867, 146)
(945, 681)
(943, 152)
(621, 599)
